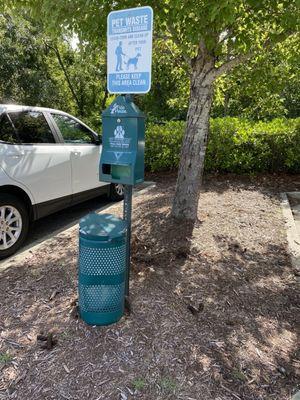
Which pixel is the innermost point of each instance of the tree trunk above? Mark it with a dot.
(185, 203)
(60, 61)
(103, 103)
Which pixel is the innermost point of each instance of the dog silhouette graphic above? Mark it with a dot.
(133, 61)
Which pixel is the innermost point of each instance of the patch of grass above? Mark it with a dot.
(139, 383)
(237, 374)
(35, 272)
(65, 335)
(168, 384)
(5, 358)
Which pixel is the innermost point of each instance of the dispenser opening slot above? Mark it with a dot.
(120, 171)
(106, 169)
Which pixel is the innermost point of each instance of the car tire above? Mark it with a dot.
(14, 218)
(116, 191)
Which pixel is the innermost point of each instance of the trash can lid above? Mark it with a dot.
(102, 227)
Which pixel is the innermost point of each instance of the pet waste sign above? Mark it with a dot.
(129, 50)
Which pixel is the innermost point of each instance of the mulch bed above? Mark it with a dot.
(214, 306)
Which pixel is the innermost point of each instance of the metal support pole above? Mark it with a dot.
(127, 210)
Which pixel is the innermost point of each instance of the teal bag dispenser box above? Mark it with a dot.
(123, 143)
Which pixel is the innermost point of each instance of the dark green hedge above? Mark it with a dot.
(235, 145)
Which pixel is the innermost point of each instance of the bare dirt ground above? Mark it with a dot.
(214, 306)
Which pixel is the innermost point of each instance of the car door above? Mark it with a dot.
(35, 158)
(81, 143)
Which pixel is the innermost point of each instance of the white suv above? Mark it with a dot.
(48, 161)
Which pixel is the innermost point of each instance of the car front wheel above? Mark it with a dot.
(116, 191)
(14, 224)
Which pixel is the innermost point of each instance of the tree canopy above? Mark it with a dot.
(196, 42)
(267, 86)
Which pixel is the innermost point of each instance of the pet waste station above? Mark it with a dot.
(104, 239)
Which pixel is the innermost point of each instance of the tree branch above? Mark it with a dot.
(67, 76)
(161, 37)
(177, 59)
(174, 35)
(232, 63)
(60, 61)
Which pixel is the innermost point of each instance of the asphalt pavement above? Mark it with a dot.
(63, 219)
(53, 224)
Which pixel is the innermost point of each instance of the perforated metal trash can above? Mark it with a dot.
(101, 268)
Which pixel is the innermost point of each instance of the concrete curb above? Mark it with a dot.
(296, 396)
(291, 231)
(27, 251)
(296, 195)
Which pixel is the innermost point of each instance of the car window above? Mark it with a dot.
(72, 131)
(7, 132)
(32, 127)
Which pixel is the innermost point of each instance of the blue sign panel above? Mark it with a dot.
(129, 50)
